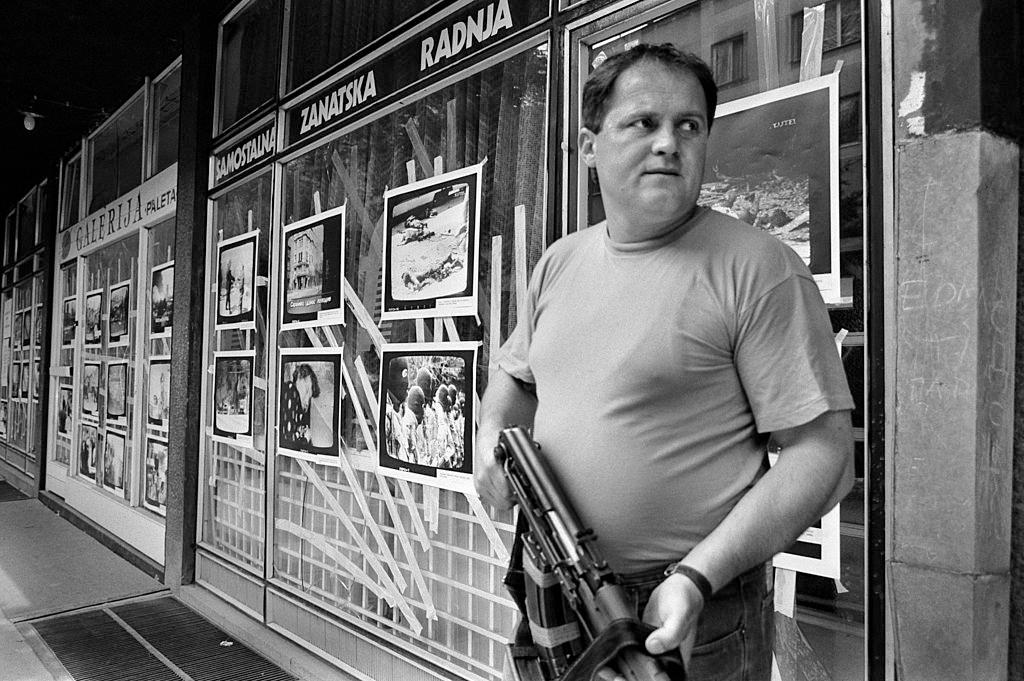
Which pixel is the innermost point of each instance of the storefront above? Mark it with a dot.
(381, 182)
(112, 327)
(24, 309)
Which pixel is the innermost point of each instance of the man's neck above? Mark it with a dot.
(627, 229)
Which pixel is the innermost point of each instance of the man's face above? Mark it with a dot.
(304, 386)
(650, 151)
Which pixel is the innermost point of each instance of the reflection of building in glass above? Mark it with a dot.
(303, 271)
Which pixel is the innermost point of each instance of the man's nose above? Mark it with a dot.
(665, 141)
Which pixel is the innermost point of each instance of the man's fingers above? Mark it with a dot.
(666, 637)
(608, 674)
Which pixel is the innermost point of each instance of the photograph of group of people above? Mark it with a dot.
(159, 393)
(155, 497)
(313, 282)
(430, 246)
(426, 417)
(310, 401)
(117, 314)
(69, 321)
(94, 317)
(236, 281)
(162, 300)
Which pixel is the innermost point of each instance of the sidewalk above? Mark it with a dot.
(48, 566)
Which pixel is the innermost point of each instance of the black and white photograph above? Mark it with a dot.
(16, 332)
(113, 460)
(37, 378)
(91, 388)
(159, 392)
(773, 162)
(161, 300)
(155, 497)
(64, 402)
(117, 314)
(314, 257)
(310, 401)
(117, 383)
(88, 447)
(3, 419)
(236, 281)
(430, 246)
(94, 317)
(37, 327)
(68, 322)
(16, 379)
(426, 413)
(232, 395)
(26, 328)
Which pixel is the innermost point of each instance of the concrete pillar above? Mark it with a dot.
(952, 349)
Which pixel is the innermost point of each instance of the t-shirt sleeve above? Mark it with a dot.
(787, 359)
(513, 357)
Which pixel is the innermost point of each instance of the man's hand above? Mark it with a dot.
(488, 476)
(674, 608)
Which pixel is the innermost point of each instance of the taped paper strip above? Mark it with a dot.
(776, 676)
(403, 539)
(259, 382)
(363, 317)
(326, 547)
(385, 550)
(421, 331)
(495, 328)
(497, 546)
(418, 148)
(438, 330)
(438, 165)
(520, 261)
(414, 512)
(840, 589)
(785, 591)
(410, 170)
(431, 506)
(368, 435)
(357, 537)
(449, 326)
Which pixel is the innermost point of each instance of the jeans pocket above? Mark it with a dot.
(720, 659)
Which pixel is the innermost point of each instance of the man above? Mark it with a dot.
(708, 337)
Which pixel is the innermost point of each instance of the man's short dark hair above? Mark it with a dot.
(601, 82)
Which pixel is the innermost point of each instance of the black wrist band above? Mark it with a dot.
(695, 576)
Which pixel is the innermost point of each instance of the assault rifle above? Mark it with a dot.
(558, 542)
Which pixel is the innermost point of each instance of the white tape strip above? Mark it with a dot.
(364, 318)
(431, 506)
(497, 546)
(414, 512)
(357, 536)
(403, 539)
(368, 434)
(785, 591)
(449, 326)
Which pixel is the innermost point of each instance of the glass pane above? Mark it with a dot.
(70, 191)
(67, 420)
(250, 43)
(236, 323)
(324, 32)
(167, 102)
(497, 114)
(117, 156)
(27, 224)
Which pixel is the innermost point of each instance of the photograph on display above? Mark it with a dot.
(26, 328)
(236, 281)
(16, 332)
(26, 379)
(162, 300)
(117, 314)
(94, 317)
(37, 327)
(3, 419)
(91, 389)
(426, 413)
(88, 446)
(117, 383)
(314, 281)
(68, 322)
(232, 396)
(310, 401)
(156, 475)
(430, 246)
(37, 378)
(16, 379)
(64, 417)
(113, 460)
(159, 399)
(773, 162)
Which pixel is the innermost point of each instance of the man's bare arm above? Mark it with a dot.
(505, 402)
(814, 472)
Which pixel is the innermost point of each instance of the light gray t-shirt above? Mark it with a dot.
(661, 367)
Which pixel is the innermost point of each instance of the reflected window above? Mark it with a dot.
(728, 60)
(166, 107)
(70, 191)
(116, 156)
(249, 46)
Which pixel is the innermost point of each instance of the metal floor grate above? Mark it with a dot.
(10, 493)
(179, 645)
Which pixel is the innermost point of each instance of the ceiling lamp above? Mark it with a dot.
(30, 119)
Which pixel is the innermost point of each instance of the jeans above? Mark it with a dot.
(734, 631)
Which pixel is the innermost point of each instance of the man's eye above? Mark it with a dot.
(643, 123)
(689, 126)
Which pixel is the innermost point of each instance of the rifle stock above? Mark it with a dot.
(561, 543)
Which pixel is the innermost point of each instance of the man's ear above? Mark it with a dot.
(587, 144)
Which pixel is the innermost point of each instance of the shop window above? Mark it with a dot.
(115, 156)
(166, 106)
(46, 222)
(842, 27)
(322, 33)
(66, 423)
(249, 49)
(27, 209)
(71, 188)
(728, 60)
